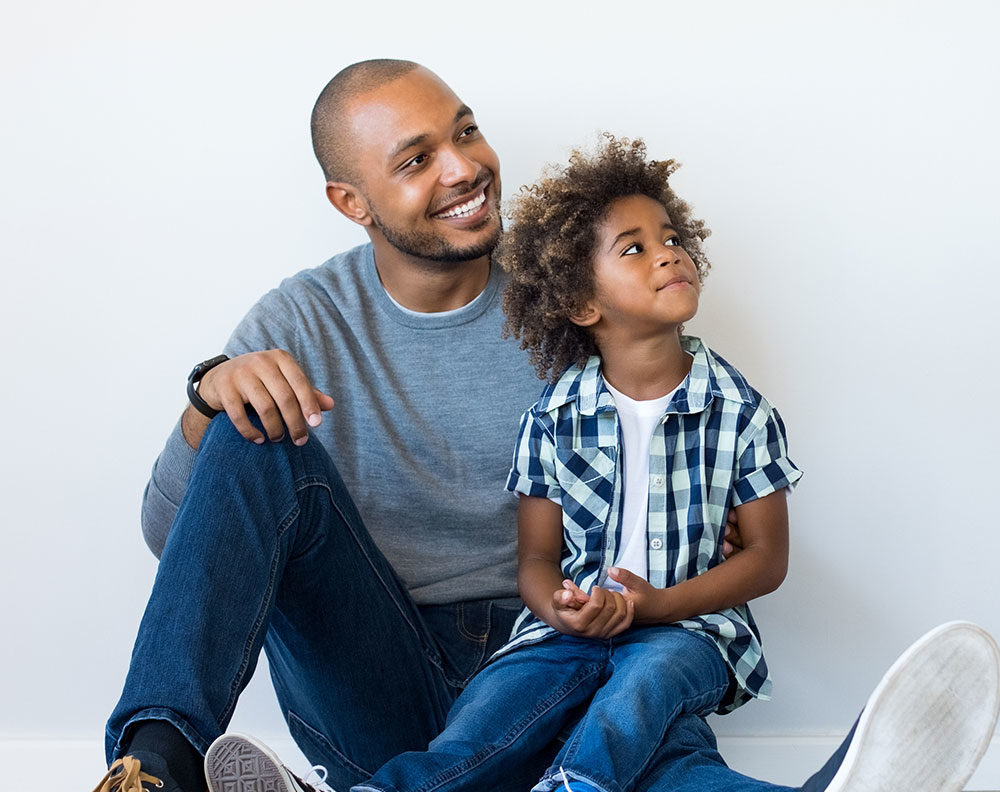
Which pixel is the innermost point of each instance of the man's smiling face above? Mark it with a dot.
(430, 178)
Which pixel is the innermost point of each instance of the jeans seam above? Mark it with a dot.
(316, 735)
(433, 658)
(515, 731)
(235, 686)
(163, 714)
(464, 632)
(612, 785)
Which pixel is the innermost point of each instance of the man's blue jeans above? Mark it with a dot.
(630, 689)
(267, 550)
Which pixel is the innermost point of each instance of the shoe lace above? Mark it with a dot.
(319, 783)
(125, 775)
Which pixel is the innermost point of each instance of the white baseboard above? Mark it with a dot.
(79, 764)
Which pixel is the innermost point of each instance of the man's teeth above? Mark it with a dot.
(465, 209)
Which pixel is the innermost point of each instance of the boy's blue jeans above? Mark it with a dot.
(629, 689)
(267, 550)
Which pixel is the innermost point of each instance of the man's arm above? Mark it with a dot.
(273, 384)
(758, 569)
(541, 583)
(269, 325)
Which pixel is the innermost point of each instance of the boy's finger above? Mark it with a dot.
(569, 585)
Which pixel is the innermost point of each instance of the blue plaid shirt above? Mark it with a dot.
(719, 444)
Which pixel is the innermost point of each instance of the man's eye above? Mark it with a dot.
(471, 129)
(417, 160)
(632, 249)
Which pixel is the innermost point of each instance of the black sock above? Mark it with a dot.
(184, 763)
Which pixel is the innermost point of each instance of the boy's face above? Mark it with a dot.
(644, 282)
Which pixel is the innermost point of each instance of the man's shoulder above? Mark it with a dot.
(341, 273)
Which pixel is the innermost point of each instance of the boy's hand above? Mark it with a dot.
(602, 614)
(646, 598)
(570, 596)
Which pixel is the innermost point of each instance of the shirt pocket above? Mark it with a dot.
(587, 479)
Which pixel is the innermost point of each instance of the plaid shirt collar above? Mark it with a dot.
(705, 382)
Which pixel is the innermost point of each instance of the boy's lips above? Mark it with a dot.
(679, 280)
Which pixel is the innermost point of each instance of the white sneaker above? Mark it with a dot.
(931, 718)
(239, 763)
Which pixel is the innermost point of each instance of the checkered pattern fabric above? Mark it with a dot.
(719, 444)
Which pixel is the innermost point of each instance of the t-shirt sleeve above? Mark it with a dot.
(763, 466)
(533, 469)
(262, 328)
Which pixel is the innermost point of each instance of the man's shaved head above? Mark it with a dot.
(331, 136)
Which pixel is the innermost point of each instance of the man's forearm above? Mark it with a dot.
(166, 488)
(193, 426)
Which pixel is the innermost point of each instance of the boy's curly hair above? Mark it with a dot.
(549, 248)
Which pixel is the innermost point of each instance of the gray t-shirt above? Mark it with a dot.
(422, 432)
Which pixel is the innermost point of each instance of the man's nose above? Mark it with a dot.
(457, 168)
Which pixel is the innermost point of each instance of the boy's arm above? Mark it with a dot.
(541, 583)
(755, 571)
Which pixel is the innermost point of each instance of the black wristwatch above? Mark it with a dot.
(194, 378)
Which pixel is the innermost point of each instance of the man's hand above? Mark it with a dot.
(647, 600)
(732, 542)
(602, 614)
(273, 384)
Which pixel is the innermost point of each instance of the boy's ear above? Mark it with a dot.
(587, 315)
(349, 202)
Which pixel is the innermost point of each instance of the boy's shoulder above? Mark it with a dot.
(722, 378)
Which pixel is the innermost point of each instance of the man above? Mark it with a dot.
(370, 552)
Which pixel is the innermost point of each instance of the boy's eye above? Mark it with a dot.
(632, 249)
(673, 242)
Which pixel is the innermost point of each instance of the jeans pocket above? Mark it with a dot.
(473, 621)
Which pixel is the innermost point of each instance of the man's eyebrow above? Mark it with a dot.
(416, 140)
(634, 231)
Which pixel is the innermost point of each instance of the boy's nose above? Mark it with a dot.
(668, 255)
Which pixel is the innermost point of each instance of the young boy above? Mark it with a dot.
(626, 469)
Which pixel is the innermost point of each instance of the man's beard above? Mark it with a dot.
(434, 248)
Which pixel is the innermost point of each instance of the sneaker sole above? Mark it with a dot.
(930, 719)
(239, 763)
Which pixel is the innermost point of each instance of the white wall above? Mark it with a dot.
(157, 177)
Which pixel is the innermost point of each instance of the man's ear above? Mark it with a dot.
(349, 202)
(587, 316)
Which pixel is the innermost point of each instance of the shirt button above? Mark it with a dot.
(656, 544)
(657, 481)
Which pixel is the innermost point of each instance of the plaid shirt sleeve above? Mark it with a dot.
(533, 471)
(764, 466)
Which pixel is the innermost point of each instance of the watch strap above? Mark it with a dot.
(195, 377)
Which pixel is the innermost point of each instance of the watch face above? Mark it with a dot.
(199, 371)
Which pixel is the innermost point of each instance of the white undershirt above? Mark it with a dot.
(637, 419)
